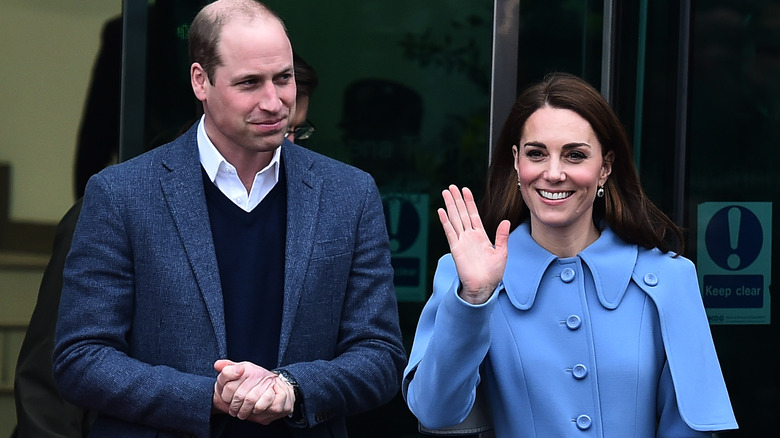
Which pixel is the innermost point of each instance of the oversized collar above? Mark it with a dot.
(609, 259)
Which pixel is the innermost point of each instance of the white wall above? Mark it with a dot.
(47, 48)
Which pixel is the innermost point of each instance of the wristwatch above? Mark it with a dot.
(297, 414)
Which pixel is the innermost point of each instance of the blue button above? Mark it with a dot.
(567, 275)
(579, 371)
(573, 322)
(584, 422)
(651, 279)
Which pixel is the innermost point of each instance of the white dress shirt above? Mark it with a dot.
(225, 176)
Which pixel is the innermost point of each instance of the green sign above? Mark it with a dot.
(407, 226)
(735, 261)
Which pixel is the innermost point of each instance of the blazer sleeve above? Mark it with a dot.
(346, 352)
(94, 366)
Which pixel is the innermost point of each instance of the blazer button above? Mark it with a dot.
(583, 422)
(579, 371)
(651, 279)
(567, 275)
(573, 322)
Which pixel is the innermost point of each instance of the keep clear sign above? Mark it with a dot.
(734, 261)
(406, 215)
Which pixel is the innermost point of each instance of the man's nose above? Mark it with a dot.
(268, 98)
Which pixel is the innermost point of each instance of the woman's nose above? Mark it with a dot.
(555, 171)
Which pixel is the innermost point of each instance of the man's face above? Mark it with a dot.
(248, 106)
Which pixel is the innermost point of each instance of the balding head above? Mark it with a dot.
(206, 28)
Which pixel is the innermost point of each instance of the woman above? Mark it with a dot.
(582, 317)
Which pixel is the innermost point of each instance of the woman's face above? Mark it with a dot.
(559, 165)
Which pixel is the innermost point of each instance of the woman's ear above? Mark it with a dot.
(606, 166)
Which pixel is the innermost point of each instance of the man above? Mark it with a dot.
(230, 283)
(41, 411)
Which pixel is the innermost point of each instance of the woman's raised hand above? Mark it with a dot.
(480, 263)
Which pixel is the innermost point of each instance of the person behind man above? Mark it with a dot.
(230, 283)
(306, 81)
(41, 411)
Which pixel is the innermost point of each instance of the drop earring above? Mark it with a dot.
(600, 192)
(518, 185)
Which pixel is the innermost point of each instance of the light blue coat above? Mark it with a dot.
(141, 318)
(611, 343)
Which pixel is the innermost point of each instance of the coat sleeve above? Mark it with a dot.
(702, 398)
(345, 350)
(450, 344)
(94, 363)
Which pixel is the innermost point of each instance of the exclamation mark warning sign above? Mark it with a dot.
(734, 261)
(406, 217)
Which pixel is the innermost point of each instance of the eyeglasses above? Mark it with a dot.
(302, 132)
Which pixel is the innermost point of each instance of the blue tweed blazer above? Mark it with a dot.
(141, 318)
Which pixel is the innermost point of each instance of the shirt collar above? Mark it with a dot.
(211, 159)
(610, 260)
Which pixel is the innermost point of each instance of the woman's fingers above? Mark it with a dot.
(460, 206)
(452, 210)
(461, 209)
(460, 214)
(471, 207)
(502, 235)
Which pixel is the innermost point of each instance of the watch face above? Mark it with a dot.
(286, 377)
(297, 414)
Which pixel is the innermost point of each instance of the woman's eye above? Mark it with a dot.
(534, 154)
(577, 156)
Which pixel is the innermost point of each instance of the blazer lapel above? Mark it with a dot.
(303, 194)
(183, 191)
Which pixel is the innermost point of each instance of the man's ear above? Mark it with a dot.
(199, 80)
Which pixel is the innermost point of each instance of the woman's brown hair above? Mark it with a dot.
(625, 207)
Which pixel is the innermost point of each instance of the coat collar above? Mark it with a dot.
(609, 259)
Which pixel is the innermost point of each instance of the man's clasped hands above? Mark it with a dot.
(251, 392)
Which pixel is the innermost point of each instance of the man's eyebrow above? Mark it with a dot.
(242, 78)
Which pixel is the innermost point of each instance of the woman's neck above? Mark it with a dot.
(564, 241)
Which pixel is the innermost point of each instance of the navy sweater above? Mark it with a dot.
(250, 255)
(250, 248)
